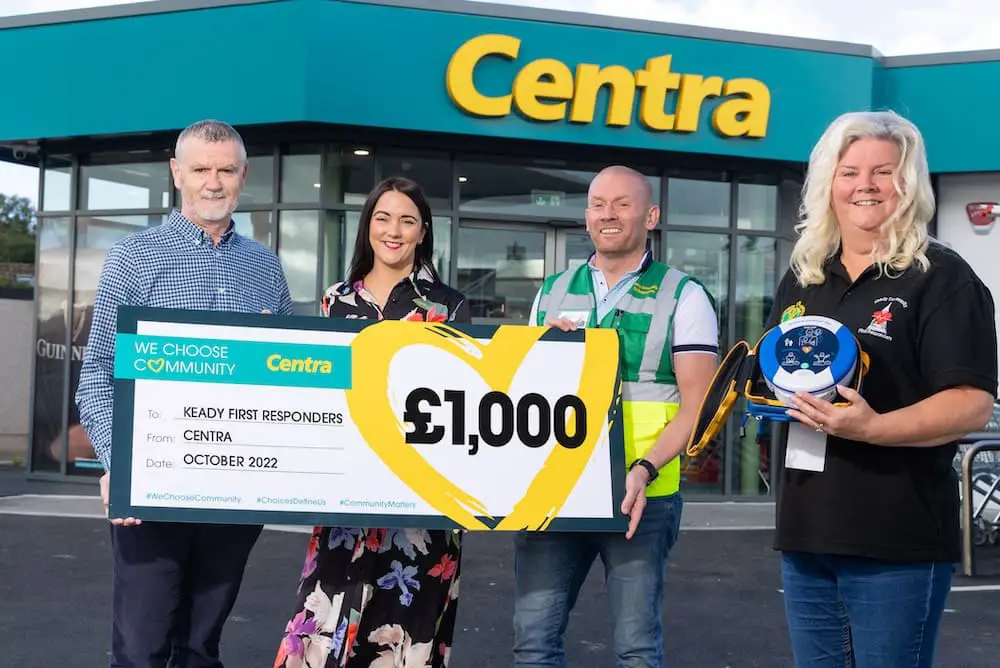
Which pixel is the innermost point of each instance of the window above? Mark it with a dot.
(131, 185)
(300, 175)
(706, 257)
(433, 173)
(56, 174)
(298, 244)
(51, 298)
(500, 270)
(754, 284)
(94, 236)
(349, 175)
(259, 185)
(758, 207)
(697, 203)
(255, 225)
(526, 190)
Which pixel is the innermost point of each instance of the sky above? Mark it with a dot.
(893, 27)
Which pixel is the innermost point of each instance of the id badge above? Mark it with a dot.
(806, 448)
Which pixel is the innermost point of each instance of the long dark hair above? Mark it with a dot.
(364, 256)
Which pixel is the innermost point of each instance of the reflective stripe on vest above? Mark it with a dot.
(560, 296)
(650, 396)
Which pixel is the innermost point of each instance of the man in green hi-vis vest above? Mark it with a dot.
(669, 353)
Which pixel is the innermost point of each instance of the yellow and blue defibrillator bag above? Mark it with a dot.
(806, 354)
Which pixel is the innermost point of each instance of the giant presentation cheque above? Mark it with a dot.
(245, 418)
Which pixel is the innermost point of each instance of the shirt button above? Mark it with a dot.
(221, 290)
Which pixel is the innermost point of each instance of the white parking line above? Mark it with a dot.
(995, 587)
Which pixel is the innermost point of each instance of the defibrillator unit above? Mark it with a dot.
(810, 354)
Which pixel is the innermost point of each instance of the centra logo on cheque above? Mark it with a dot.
(281, 364)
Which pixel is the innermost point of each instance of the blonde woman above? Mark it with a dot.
(869, 536)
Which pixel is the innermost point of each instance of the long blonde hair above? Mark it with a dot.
(906, 236)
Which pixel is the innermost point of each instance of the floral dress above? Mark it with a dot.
(373, 597)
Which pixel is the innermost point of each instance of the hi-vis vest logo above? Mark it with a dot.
(881, 318)
(796, 310)
(982, 215)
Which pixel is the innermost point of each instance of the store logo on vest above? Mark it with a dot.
(982, 215)
(881, 318)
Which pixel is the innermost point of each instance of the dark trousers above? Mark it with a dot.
(174, 587)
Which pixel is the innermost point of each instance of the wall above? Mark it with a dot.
(16, 323)
(952, 104)
(954, 228)
(318, 61)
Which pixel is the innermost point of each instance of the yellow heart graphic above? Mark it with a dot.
(156, 366)
(497, 362)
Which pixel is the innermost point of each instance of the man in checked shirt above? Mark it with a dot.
(175, 584)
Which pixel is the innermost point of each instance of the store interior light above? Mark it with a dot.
(462, 179)
(362, 151)
(315, 185)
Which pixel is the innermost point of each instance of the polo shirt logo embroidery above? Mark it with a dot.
(881, 318)
(796, 310)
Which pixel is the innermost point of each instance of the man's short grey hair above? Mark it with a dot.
(211, 130)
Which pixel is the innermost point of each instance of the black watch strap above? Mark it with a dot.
(650, 469)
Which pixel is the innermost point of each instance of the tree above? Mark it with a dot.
(17, 229)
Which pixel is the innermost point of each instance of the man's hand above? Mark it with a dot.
(105, 496)
(635, 498)
(565, 324)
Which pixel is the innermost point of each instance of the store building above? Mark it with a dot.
(503, 114)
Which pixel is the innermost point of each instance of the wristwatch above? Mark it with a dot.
(650, 469)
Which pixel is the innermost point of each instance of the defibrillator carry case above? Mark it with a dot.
(792, 351)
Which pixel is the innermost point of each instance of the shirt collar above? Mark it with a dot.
(417, 277)
(647, 257)
(180, 223)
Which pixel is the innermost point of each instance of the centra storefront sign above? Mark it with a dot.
(548, 90)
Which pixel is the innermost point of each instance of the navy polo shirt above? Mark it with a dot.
(924, 331)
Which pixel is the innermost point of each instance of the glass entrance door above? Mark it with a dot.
(501, 265)
(500, 268)
(573, 248)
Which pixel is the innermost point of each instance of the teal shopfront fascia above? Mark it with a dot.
(502, 113)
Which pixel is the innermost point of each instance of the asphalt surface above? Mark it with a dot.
(723, 604)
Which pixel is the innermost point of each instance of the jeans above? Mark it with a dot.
(849, 612)
(550, 568)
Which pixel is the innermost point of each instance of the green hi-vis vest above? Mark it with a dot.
(643, 317)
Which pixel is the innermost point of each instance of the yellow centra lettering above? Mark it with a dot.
(281, 364)
(743, 116)
(459, 76)
(621, 94)
(547, 90)
(694, 90)
(656, 81)
(545, 78)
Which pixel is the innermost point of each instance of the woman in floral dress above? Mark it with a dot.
(373, 597)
